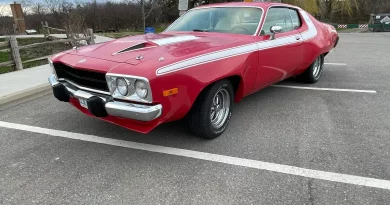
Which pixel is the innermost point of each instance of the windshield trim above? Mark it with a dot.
(258, 26)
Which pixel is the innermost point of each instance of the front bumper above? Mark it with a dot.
(102, 105)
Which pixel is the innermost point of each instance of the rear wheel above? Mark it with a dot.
(313, 73)
(212, 111)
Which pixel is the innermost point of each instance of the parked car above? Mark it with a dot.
(380, 22)
(208, 59)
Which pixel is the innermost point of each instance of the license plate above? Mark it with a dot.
(83, 103)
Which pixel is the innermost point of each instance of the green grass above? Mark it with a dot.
(120, 34)
(6, 69)
(4, 56)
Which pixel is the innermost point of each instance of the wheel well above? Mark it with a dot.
(235, 80)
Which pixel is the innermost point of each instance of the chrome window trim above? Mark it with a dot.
(279, 6)
(84, 88)
(258, 26)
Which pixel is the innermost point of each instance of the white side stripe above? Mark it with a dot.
(209, 57)
(249, 163)
(312, 31)
(176, 39)
(239, 50)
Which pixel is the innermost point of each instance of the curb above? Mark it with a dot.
(24, 93)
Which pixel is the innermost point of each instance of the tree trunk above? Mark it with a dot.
(143, 14)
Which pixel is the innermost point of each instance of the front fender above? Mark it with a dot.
(191, 81)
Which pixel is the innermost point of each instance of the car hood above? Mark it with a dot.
(162, 48)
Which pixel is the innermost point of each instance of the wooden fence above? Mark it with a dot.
(13, 49)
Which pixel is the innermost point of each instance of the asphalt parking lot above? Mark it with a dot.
(326, 143)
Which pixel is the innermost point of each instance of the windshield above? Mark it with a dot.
(239, 20)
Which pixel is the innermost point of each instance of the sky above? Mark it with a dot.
(5, 9)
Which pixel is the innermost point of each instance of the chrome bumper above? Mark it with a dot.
(113, 108)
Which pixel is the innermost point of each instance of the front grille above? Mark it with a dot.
(89, 79)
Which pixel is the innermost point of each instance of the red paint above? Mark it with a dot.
(255, 70)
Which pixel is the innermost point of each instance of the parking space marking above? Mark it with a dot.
(335, 63)
(325, 89)
(255, 164)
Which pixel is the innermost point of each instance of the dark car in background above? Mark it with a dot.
(380, 22)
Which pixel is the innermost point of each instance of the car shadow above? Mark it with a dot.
(177, 132)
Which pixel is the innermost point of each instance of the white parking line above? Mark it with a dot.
(291, 170)
(325, 89)
(335, 63)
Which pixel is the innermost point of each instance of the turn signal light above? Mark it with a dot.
(170, 92)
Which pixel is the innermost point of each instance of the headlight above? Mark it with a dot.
(126, 87)
(121, 85)
(141, 89)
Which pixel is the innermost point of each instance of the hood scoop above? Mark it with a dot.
(138, 46)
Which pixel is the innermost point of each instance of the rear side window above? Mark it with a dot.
(278, 16)
(295, 18)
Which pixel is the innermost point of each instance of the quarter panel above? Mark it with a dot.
(315, 40)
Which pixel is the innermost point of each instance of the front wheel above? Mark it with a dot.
(313, 73)
(212, 111)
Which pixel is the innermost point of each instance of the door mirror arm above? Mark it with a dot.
(274, 30)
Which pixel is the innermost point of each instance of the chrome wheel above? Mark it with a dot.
(317, 67)
(220, 108)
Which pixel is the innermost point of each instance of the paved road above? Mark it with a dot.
(337, 132)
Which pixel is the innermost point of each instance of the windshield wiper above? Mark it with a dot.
(200, 30)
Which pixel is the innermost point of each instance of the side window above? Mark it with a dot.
(277, 17)
(295, 18)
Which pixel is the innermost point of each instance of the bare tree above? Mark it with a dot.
(147, 7)
(38, 8)
(53, 5)
(26, 6)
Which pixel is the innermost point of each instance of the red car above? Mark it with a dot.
(208, 59)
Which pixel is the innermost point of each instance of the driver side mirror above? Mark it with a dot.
(274, 30)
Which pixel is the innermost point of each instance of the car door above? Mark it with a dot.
(278, 58)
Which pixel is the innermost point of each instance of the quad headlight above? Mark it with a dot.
(122, 86)
(129, 87)
(141, 89)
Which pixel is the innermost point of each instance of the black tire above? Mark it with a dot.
(200, 116)
(309, 75)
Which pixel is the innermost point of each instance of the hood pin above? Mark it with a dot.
(139, 57)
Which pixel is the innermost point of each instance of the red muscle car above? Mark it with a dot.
(208, 59)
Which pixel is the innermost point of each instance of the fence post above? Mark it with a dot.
(15, 53)
(91, 36)
(47, 27)
(43, 29)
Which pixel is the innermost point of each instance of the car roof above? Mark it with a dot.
(263, 5)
